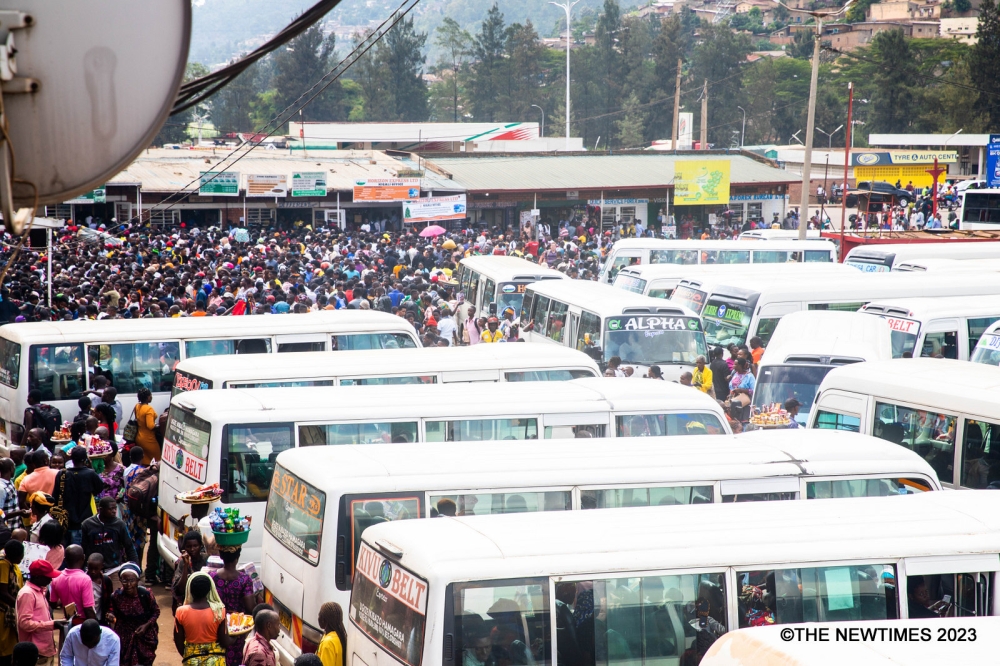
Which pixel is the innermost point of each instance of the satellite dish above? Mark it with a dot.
(94, 82)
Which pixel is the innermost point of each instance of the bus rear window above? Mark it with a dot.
(248, 464)
(56, 371)
(10, 363)
(389, 606)
(372, 341)
(295, 515)
(185, 444)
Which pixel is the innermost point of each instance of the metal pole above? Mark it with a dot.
(542, 135)
(704, 116)
(744, 130)
(48, 268)
(567, 7)
(810, 130)
(675, 129)
(847, 162)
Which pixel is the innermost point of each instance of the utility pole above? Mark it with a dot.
(675, 129)
(567, 7)
(704, 117)
(848, 140)
(810, 130)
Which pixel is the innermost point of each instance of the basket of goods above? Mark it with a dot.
(98, 448)
(238, 624)
(771, 416)
(62, 435)
(201, 495)
(227, 526)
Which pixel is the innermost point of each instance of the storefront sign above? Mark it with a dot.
(219, 183)
(617, 202)
(309, 184)
(755, 197)
(434, 208)
(94, 196)
(299, 204)
(685, 131)
(888, 157)
(993, 161)
(267, 186)
(701, 182)
(387, 189)
(572, 194)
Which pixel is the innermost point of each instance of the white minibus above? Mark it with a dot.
(937, 327)
(958, 639)
(61, 359)
(980, 209)
(988, 348)
(806, 345)
(634, 251)
(659, 280)
(604, 322)
(427, 365)
(637, 585)
(882, 257)
(732, 313)
(322, 500)
(947, 411)
(495, 283)
(940, 265)
(777, 234)
(232, 437)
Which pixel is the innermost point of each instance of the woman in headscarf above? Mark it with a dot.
(200, 633)
(133, 613)
(235, 588)
(40, 503)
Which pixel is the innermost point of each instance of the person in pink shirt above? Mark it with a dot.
(74, 586)
(42, 480)
(34, 619)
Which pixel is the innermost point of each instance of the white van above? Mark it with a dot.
(884, 257)
(807, 345)
(937, 327)
(988, 349)
(659, 280)
(494, 283)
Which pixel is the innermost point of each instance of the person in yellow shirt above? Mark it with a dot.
(331, 647)
(493, 333)
(701, 378)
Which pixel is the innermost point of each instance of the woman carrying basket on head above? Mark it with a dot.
(200, 631)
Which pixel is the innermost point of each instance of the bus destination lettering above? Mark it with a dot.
(653, 324)
(402, 585)
(902, 325)
(184, 382)
(724, 312)
(190, 465)
(298, 493)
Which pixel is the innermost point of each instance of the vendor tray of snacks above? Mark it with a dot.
(239, 623)
(771, 416)
(201, 495)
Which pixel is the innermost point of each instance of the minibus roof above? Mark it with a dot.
(943, 249)
(952, 387)
(845, 337)
(607, 301)
(512, 269)
(167, 328)
(654, 271)
(367, 362)
(702, 536)
(629, 460)
(318, 404)
(666, 244)
(933, 308)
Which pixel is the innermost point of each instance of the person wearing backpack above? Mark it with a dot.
(39, 415)
(139, 509)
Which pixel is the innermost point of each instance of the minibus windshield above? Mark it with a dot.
(778, 383)
(725, 323)
(654, 340)
(295, 514)
(511, 295)
(185, 444)
(691, 298)
(987, 351)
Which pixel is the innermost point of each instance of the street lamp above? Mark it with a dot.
(744, 130)
(811, 116)
(535, 106)
(567, 7)
(826, 170)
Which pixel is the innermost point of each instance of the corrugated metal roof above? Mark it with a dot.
(163, 170)
(590, 172)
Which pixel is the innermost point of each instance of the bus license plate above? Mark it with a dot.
(285, 619)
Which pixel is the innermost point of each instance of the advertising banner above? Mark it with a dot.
(701, 182)
(889, 157)
(92, 197)
(685, 131)
(267, 186)
(309, 184)
(219, 183)
(993, 161)
(386, 189)
(434, 208)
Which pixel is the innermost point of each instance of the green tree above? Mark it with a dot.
(175, 130)
(521, 70)
(631, 126)
(230, 107)
(455, 42)
(401, 55)
(669, 45)
(983, 62)
(720, 57)
(486, 79)
(894, 77)
(859, 11)
(299, 66)
(803, 44)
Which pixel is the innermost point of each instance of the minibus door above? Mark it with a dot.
(955, 585)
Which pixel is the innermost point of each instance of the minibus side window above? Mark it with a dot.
(835, 421)
(132, 366)
(770, 257)
(196, 348)
(818, 256)
(489, 294)
(529, 298)
(821, 594)
(589, 334)
(358, 513)
(930, 435)
(649, 619)
(835, 488)
(496, 502)
(56, 371)
(980, 453)
(684, 257)
(539, 314)
(836, 307)
(977, 327)
(765, 329)
(402, 432)
(490, 615)
(547, 375)
(364, 341)
(10, 363)
(619, 498)
(725, 257)
(248, 463)
(557, 321)
(481, 430)
(655, 425)
(941, 345)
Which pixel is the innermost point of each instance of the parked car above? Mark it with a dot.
(878, 192)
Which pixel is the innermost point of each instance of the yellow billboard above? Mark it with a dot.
(700, 182)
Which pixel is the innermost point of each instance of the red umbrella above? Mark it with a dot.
(432, 230)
